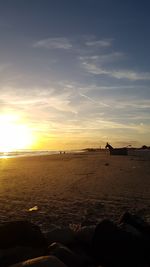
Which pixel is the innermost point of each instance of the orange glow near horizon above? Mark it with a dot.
(14, 134)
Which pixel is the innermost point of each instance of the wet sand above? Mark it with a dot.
(73, 188)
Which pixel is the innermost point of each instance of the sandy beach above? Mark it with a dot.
(73, 188)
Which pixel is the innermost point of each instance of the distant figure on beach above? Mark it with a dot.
(116, 151)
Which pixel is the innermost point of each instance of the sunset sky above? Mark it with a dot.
(74, 73)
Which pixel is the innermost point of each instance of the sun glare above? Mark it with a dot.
(14, 135)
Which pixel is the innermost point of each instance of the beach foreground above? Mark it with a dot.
(73, 188)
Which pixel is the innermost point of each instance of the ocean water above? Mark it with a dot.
(31, 153)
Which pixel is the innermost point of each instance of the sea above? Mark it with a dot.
(31, 153)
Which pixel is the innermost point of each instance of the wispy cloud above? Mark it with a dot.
(99, 43)
(130, 75)
(75, 114)
(81, 43)
(133, 104)
(97, 68)
(107, 63)
(37, 99)
(54, 43)
(94, 101)
(102, 59)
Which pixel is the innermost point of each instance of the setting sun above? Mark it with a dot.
(14, 135)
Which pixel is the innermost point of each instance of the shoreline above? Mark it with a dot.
(18, 154)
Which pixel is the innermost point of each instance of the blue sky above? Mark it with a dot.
(77, 72)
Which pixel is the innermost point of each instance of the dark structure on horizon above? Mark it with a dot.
(117, 151)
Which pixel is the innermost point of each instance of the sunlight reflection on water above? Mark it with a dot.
(17, 154)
